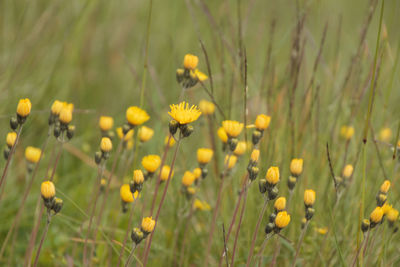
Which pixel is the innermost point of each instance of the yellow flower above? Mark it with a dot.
(47, 190)
(347, 132)
(148, 224)
(128, 135)
(191, 190)
(207, 107)
(240, 148)
(255, 155)
(145, 134)
(183, 114)
(348, 171)
(322, 231)
(201, 205)
(105, 144)
(56, 107)
(68, 106)
(385, 186)
(200, 75)
(65, 116)
(151, 163)
(32, 154)
(232, 161)
(136, 116)
(282, 219)
(126, 194)
(190, 61)
(296, 167)
(188, 179)
(232, 128)
(272, 175)
(171, 141)
(197, 173)
(280, 203)
(222, 135)
(309, 197)
(262, 122)
(165, 173)
(386, 208)
(392, 215)
(376, 215)
(204, 155)
(24, 107)
(138, 177)
(385, 135)
(106, 123)
(11, 138)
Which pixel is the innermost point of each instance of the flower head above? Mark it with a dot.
(204, 155)
(230, 160)
(56, 107)
(272, 175)
(151, 163)
(136, 116)
(322, 231)
(347, 132)
(197, 173)
(262, 122)
(280, 203)
(128, 136)
(200, 76)
(24, 107)
(386, 208)
(32, 154)
(296, 167)
(232, 128)
(190, 61)
(222, 135)
(11, 138)
(126, 194)
(148, 225)
(309, 197)
(255, 155)
(348, 171)
(282, 219)
(47, 190)
(392, 215)
(165, 173)
(65, 116)
(145, 134)
(376, 215)
(201, 205)
(138, 177)
(240, 148)
(184, 114)
(385, 186)
(188, 179)
(105, 144)
(106, 123)
(207, 107)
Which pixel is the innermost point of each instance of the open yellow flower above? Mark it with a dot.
(106, 123)
(190, 61)
(56, 107)
(32, 154)
(136, 116)
(165, 173)
(262, 122)
(151, 163)
(148, 225)
(24, 107)
(204, 155)
(65, 116)
(376, 215)
(184, 114)
(282, 219)
(145, 134)
(392, 215)
(188, 179)
(232, 128)
(126, 194)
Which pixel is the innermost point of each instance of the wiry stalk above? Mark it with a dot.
(128, 229)
(43, 237)
(264, 244)
(129, 260)
(303, 233)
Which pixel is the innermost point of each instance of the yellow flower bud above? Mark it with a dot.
(255, 155)
(348, 171)
(138, 177)
(190, 61)
(207, 107)
(280, 203)
(272, 175)
(232, 161)
(240, 148)
(282, 219)
(148, 224)
(376, 215)
(262, 122)
(11, 138)
(56, 107)
(222, 135)
(188, 179)
(385, 135)
(105, 144)
(385, 186)
(171, 141)
(392, 215)
(106, 123)
(65, 116)
(232, 128)
(151, 163)
(136, 116)
(197, 173)
(32, 154)
(47, 190)
(165, 173)
(204, 155)
(126, 194)
(296, 167)
(24, 107)
(309, 197)
(347, 132)
(145, 134)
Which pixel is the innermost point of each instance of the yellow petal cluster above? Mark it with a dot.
(262, 122)
(56, 107)
(145, 134)
(138, 177)
(309, 197)
(190, 61)
(165, 173)
(105, 144)
(222, 135)
(184, 114)
(385, 186)
(106, 123)
(204, 155)
(201, 205)
(188, 179)
(148, 224)
(232, 128)
(348, 171)
(126, 194)
(282, 219)
(151, 163)
(272, 175)
(296, 167)
(207, 107)
(136, 116)
(11, 138)
(385, 135)
(32, 154)
(376, 215)
(24, 107)
(47, 190)
(280, 203)
(230, 161)
(240, 148)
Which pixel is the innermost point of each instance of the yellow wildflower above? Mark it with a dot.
(232, 128)
(136, 116)
(183, 114)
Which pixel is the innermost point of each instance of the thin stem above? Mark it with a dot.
(128, 261)
(43, 237)
(10, 156)
(253, 242)
(264, 244)
(127, 233)
(359, 249)
(185, 234)
(303, 233)
(146, 253)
